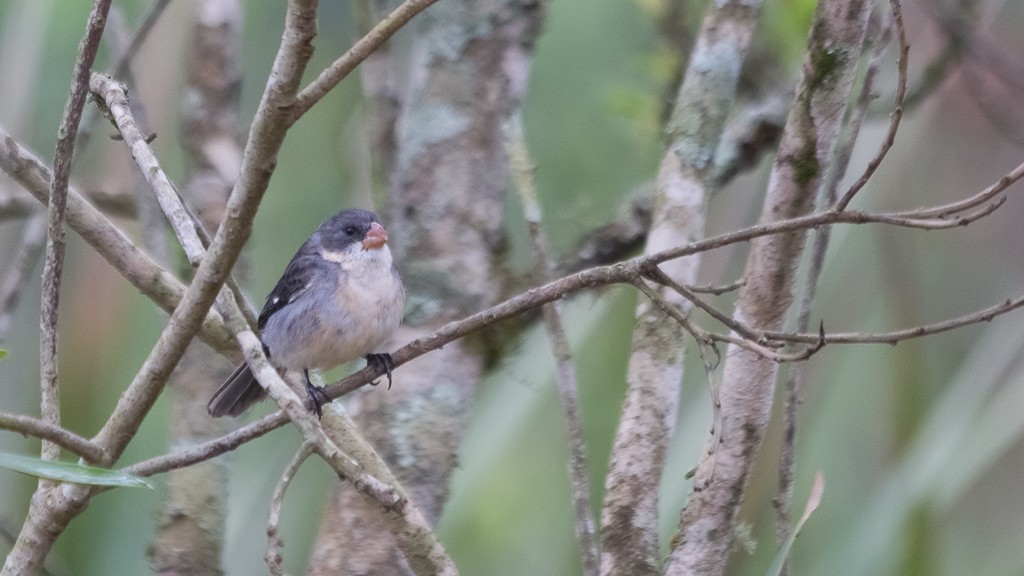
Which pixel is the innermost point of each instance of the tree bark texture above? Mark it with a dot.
(708, 522)
(468, 63)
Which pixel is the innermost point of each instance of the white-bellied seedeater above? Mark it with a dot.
(340, 298)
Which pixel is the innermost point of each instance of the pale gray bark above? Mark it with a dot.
(707, 524)
(630, 514)
(461, 83)
(190, 523)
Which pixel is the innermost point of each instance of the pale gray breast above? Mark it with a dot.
(352, 310)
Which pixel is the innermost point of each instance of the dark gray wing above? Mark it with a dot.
(296, 279)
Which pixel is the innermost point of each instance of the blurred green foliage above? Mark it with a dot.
(919, 443)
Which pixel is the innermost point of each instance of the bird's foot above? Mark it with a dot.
(381, 362)
(316, 396)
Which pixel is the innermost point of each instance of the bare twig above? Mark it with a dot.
(187, 227)
(274, 542)
(149, 19)
(359, 51)
(521, 171)
(147, 209)
(894, 117)
(115, 100)
(53, 265)
(592, 278)
(28, 426)
(718, 290)
(123, 60)
(793, 383)
(210, 449)
(949, 211)
(33, 238)
(162, 287)
(660, 277)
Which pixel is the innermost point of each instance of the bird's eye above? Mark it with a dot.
(350, 230)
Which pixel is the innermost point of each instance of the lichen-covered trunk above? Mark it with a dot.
(708, 522)
(629, 519)
(468, 66)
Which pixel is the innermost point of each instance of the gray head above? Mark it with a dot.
(350, 227)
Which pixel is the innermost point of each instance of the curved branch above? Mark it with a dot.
(273, 556)
(894, 117)
(359, 51)
(28, 426)
(897, 336)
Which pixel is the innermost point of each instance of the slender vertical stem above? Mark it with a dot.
(566, 380)
(53, 266)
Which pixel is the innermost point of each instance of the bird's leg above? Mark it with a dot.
(381, 362)
(316, 395)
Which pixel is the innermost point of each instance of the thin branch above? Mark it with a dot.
(156, 9)
(894, 117)
(28, 426)
(53, 265)
(162, 287)
(622, 273)
(521, 171)
(113, 97)
(122, 62)
(30, 246)
(793, 383)
(718, 290)
(705, 337)
(273, 556)
(210, 449)
(657, 275)
(188, 229)
(897, 336)
(948, 210)
(933, 218)
(359, 51)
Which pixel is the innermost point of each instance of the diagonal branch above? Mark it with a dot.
(273, 558)
(897, 111)
(33, 239)
(359, 51)
(159, 285)
(111, 96)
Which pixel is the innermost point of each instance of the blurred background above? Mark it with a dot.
(920, 444)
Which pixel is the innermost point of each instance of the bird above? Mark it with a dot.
(340, 298)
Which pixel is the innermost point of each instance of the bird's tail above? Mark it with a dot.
(236, 394)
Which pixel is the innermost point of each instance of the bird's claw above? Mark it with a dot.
(316, 396)
(381, 362)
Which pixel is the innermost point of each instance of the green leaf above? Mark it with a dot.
(813, 500)
(70, 472)
(3, 353)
